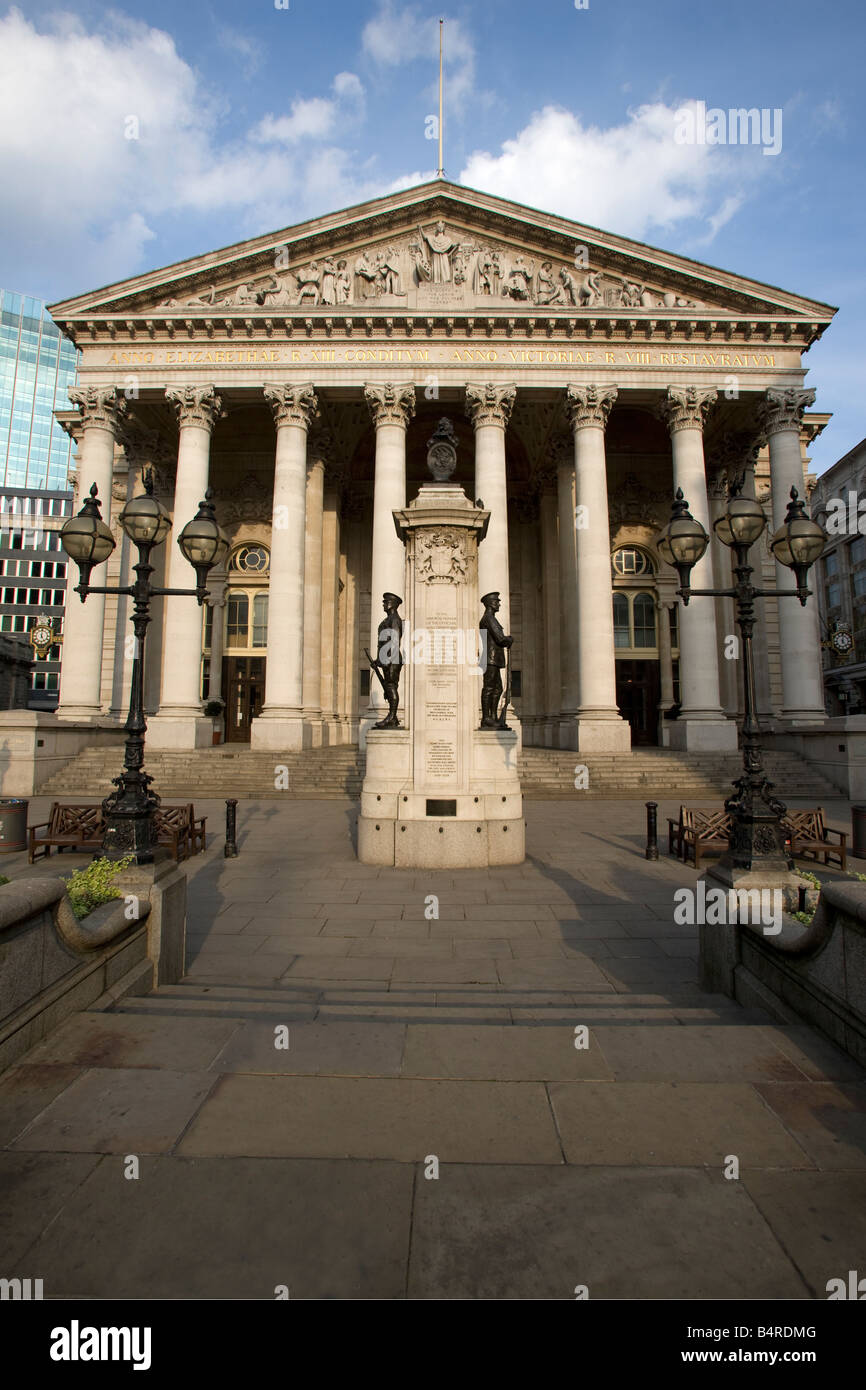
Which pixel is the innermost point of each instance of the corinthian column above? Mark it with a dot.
(570, 697)
(100, 410)
(280, 724)
(319, 451)
(489, 408)
(179, 723)
(702, 723)
(781, 416)
(392, 407)
(598, 725)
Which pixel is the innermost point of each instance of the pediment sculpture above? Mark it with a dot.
(430, 260)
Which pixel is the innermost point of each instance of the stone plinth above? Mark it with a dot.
(441, 792)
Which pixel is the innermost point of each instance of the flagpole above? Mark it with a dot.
(440, 172)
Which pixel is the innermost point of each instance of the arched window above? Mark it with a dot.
(634, 622)
(251, 559)
(237, 620)
(644, 610)
(628, 561)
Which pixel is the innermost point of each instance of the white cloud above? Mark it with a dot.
(399, 34)
(628, 178)
(82, 201)
(242, 47)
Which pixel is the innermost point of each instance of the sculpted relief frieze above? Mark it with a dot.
(437, 266)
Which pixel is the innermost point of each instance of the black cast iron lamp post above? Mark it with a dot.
(129, 812)
(757, 839)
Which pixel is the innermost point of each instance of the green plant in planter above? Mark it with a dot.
(214, 708)
(91, 887)
(4, 879)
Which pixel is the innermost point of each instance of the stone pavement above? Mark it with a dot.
(422, 1031)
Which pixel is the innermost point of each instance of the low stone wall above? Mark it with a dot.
(34, 745)
(816, 974)
(53, 965)
(837, 748)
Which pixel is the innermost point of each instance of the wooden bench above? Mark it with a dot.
(82, 828)
(810, 837)
(697, 831)
(68, 827)
(177, 826)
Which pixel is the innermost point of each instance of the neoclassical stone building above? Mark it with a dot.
(301, 376)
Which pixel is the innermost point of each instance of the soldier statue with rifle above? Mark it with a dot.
(389, 659)
(497, 644)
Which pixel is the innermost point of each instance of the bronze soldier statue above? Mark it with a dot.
(497, 644)
(389, 659)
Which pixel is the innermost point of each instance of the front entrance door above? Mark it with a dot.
(244, 684)
(637, 695)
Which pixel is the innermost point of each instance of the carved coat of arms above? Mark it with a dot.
(442, 557)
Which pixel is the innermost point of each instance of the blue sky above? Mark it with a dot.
(248, 117)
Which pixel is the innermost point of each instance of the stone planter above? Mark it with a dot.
(100, 926)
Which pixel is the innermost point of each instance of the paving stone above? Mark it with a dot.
(126, 1040)
(576, 973)
(528, 1233)
(34, 1187)
(405, 1119)
(500, 1054)
(233, 1229)
(815, 1056)
(304, 945)
(443, 972)
(680, 1124)
(119, 1111)
(316, 1049)
(492, 947)
(819, 1218)
(827, 1120)
(400, 946)
(694, 1053)
(375, 970)
(26, 1090)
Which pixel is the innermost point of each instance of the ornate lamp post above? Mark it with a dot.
(129, 812)
(757, 840)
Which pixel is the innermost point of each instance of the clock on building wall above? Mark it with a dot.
(43, 636)
(840, 642)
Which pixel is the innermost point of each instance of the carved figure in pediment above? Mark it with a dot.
(482, 282)
(276, 293)
(441, 247)
(519, 282)
(309, 283)
(198, 301)
(569, 289)
(365, 278)
(547, 291)
(241, 295)
(591, 294)
(423, 269)
(388, 272)
(329, 282)
(631, 295)
(648, 300)
(343, 283)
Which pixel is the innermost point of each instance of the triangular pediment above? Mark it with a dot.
(439, 248)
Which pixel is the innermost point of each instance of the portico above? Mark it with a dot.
(580, 399)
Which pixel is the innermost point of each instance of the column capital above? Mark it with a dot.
(686, 407)
(99, 407)
(390, 404)
(292, 405)
(195, 405)
(782, 408)
(489, 404)
(589, 405)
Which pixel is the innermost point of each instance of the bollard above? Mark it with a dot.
(231, 849)
(652, 836)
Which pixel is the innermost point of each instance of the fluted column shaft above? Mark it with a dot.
(391, 407)
(100, 411)
(684, 411)
(568, 583)
(198, 409)
(599, 724)
(489, 408)
(315, 491)
(799, 639)
(280, 724)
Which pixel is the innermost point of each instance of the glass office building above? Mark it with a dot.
(36, 367)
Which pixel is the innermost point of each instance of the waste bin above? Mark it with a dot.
(858, 828)
(13, 825)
